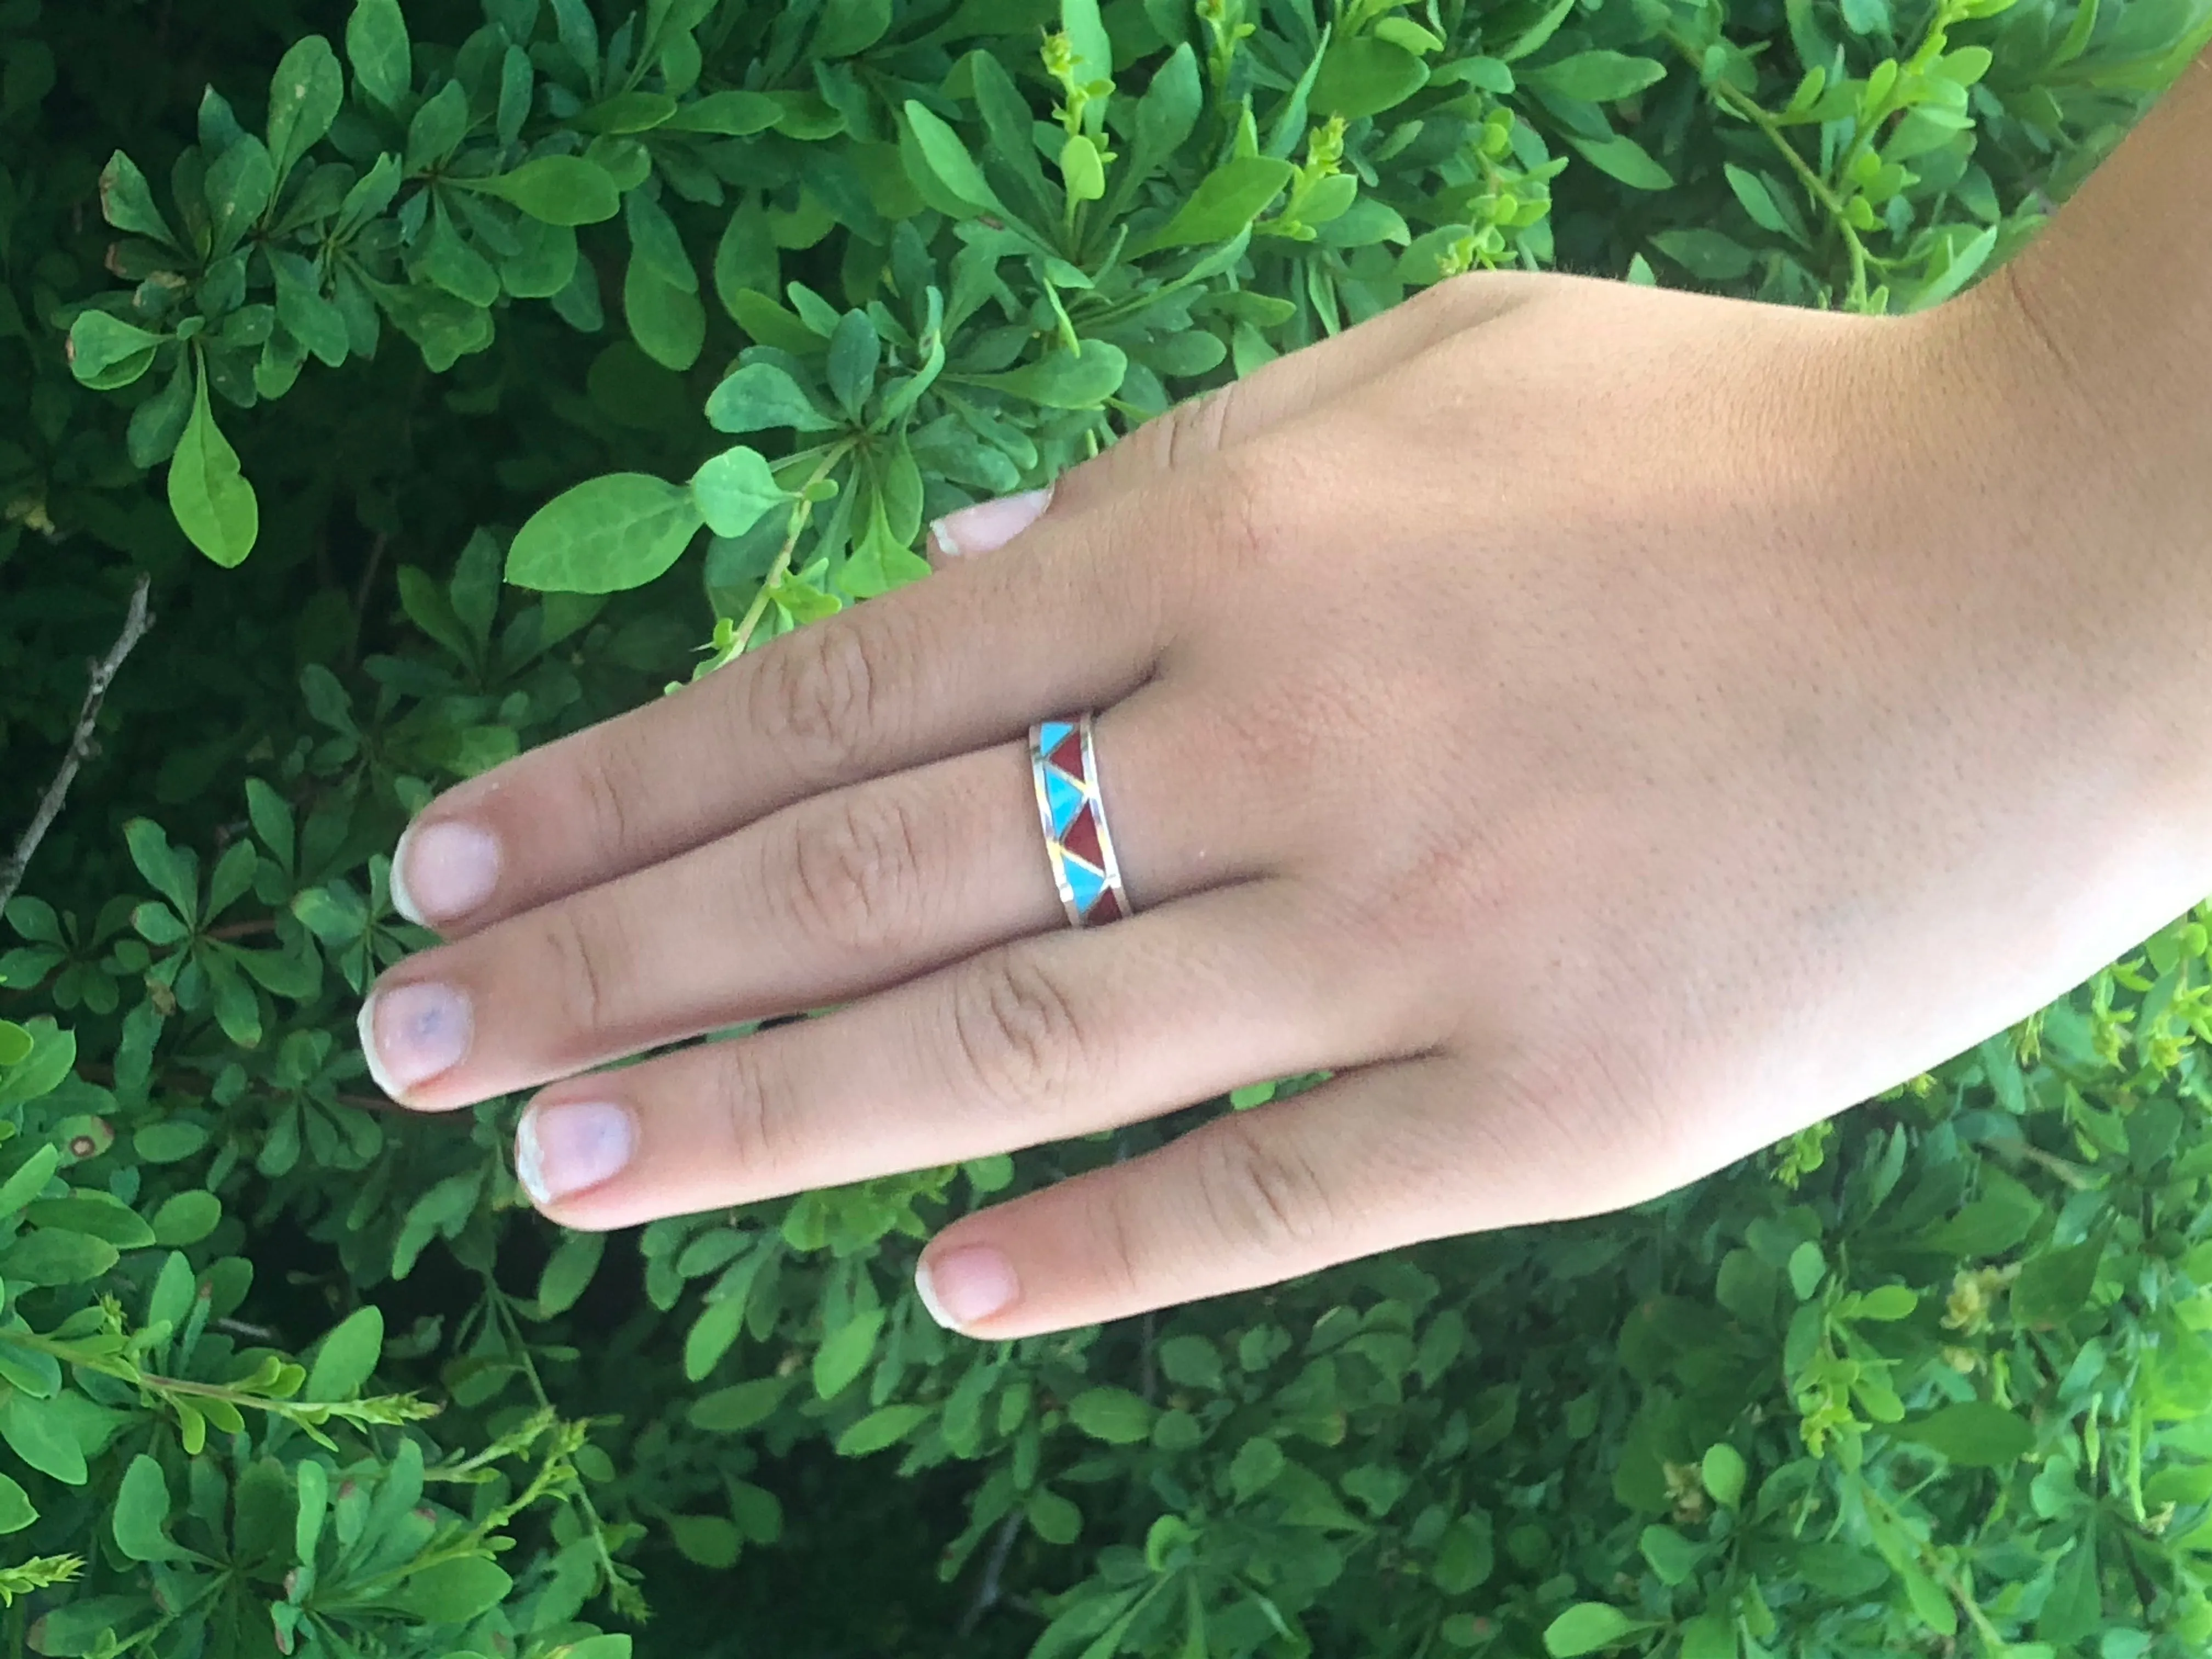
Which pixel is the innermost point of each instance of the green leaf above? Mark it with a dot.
(1888, 1301)
(1168, 112)
(728, 1411)
(2056, 1284)
(560, 190)
(849, 27)
(568, 1272)
(604, 535)
(1672, 1557)
(712, 1541)
(2006, 1212)
(15, 1042)
(884, 1426)
(758, 396)
(1587, 1626)
(1065, 379)
(452, 1592)
(313, 1507)
(16, 1510)
(1807, 1267)
(1706, 253)
(733, 489)
(142, 1504)
(1053, 1518)
(96, 1213)
(846, 1352)
(1090, 48)
(52, 1256)
(732, 114)
(347, 1357)
(855, 351)
(434, 132)
(1467, 1555)
(378, 47)
(304, 98)
(39, 1431)
(948, 158)
(1622, 157)
(1191, 1361)
(1598, 77)
(1114, 1415)
(1365, 76)
(711, 1335)
(31, 1177)
(2074, 1606)
(626, 111)
(1709, 1636)
(106, 353)
(669, 323)
(186, 1218)
(1255, 1466)
(127, 202)
(1974, 1433)
(214, 505)
(1224, 203)
(1724, 1474)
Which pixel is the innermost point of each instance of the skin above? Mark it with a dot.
(1612, 728)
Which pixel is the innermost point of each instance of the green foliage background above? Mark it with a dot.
(282, 1371)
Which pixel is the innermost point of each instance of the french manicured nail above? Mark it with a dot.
(440, 871)
(963, 1285)
(988, 524)
(563, 1149)
(411, 1033)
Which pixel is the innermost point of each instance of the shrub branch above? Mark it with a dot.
(134, 624)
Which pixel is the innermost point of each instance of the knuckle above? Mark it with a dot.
(752, 1106)
(1193, 430)
(858, 877)
(1018, 1034)
(1247, 522)
(590, 959)
(604, 781)
(1259, 1192)
(821, 697)
(1111, 1225)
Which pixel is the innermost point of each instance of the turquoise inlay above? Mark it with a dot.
(1054, 731)
(1064, 796)
(1088, 885)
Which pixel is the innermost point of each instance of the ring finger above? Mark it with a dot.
(823, 901)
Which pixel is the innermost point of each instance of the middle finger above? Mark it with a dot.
(824, 900)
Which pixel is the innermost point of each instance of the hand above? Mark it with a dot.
(1611, 729)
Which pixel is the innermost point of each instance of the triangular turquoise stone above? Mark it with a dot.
(1064, 796)
(1050, 733)
(1087, 883)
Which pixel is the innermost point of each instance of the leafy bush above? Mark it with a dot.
(280, 1370)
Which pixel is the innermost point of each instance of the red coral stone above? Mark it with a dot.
(1107, 909)
(1067, 754)
(1082, 839)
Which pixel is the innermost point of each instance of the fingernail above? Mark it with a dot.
(963, 1285)
(563, 1149)
(440, 871)
(411, 1033)
(988, 524)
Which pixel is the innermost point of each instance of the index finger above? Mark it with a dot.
(963, 660)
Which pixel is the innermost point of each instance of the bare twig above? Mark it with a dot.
(988, 1592)
(376, 547)
(135, 625)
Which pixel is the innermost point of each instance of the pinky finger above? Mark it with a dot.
(1253, 1198)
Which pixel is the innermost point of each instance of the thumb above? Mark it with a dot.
(1278, 390)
